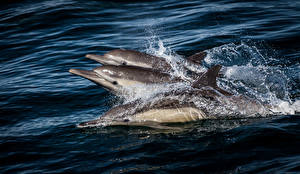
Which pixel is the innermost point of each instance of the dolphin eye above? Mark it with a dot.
(114, 82)
(124, 63)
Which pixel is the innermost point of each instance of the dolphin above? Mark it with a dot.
(139, 59)
(131, 58)
(163, 110)
(178, 107)
(171, 107)
(131, 75)
(117, 79)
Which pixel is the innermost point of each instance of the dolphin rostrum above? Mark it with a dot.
(92, 76)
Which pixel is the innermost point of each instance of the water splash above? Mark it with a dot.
(179, 65)
(146, 92)
(245, 73)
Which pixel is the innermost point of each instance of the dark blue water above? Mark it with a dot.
(41, 103)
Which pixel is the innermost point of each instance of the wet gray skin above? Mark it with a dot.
(158, 111)
(130, 75)
(131, 58)
(166, 109)
(118, 78)
(209, 78)
(139, 59)
(174, 107)
(92, 76)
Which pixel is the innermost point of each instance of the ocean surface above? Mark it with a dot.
(258, 43)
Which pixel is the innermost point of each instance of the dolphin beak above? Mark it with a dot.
(101, 59)
(96, 78)
(92, 123)
(91, 75)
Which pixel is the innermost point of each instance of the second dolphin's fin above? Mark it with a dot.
(210, 79)
(197, 58)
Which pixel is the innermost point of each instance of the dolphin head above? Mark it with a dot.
(123, 57)
(130, 75)
(110, 73)
(92, 76)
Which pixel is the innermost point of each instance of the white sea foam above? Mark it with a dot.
(245, 73)
(285, 107)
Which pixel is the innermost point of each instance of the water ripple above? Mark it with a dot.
(40, 102)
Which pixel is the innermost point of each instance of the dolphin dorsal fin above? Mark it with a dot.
(209, 78)
(197, 58)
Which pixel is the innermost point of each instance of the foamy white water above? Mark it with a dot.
(250, 77)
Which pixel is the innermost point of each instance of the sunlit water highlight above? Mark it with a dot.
(41, 102)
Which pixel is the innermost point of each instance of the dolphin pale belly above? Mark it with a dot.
(174, 115)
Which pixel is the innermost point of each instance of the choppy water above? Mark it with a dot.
(40, 102)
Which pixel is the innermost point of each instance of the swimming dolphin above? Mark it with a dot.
(131, 75)
(120, 79)
(178, 107)
(139, 59)
(131, 58)
(164, 110)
